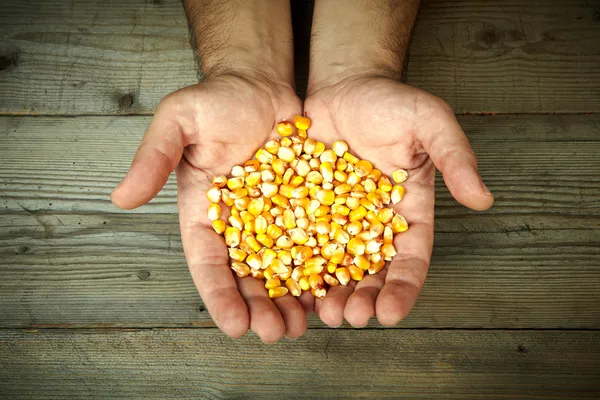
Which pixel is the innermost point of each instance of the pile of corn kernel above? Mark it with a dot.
(304, 217)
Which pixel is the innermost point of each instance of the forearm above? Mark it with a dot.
(252, 38)
(359, 37)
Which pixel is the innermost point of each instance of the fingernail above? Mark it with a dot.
(290, 338)
(486, 191)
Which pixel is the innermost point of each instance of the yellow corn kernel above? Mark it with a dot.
(355, 272)
(343, 275)
(374, 198)
(302, 122)
(349, 168)
(213, 194)
(370, 217)
(388, 251)
(314, 270)
(356, 247)
(284, 242)
(397, 194)
(303, 168)
(302, 133)
(214, 212)
(367, 204)
(374, 175)
(274, 231)
(315, 281)
(235, 183)
(265, 240)
(279, 166)
(303, 282)
(354, 228)
(314, 261)
(284, 128)
(352, 203)
(219, 181)
(267, 216)
(257, 274)
(289, 219)
(286, 191)
(255, 207)
(338, 255)
(286, 154)
(293, 287)
(314, 163)
(357, 214)
(328, 156)
(340, 209)
(362, 262)
(219, 226)
(269, 189)
(369, 185)
(287, 176)
(253, 243)
(388, 235)
(242, 204)
(343, 188)
(376, 267)
(321, 211)
(363, 168)
(313, 192)
(252, 166)
(237, 254)
(339, 219)
(322, 238)
(302, 223)
(385, 215)
(280, 201)
(284, 256)
(375, 258)
(239, 193)
(339, 176)
(264, 157)
(341, 165)
(253, 178)
(319, 148)
(339, 147)
(331, 267)
(254, 261)
(267, 257)
(240, 269)
(399, 175)
(254, 191)
(330, 280)
(298, 236)
(272, 283)
(350, 159)
(376, 228)
(364, 235)
(352, 179)
(319, 293)
(384, 196)
(399, 224)
(260, 226)
(297, 273)
(327, 185)
(323, 227)
(269, 274)
(372, 246)
(304, 253)
(238, 170)
(384, 184)
(328, 250)
(296, 181)
(272, 146)
(341, 236)
(326, 170)
(314, 177)
(313, 205)
(280, 268)
(334, 227)
(325, 197)
(309, 146)
(236, 222)
(286, 142)
(232, 236)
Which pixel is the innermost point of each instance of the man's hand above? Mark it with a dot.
(204, 130)
(358, 52)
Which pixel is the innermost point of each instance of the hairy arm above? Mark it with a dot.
(359, 37)
(252, 38)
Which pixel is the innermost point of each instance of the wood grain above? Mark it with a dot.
(69, 258)
(193, 363)
(81, 57)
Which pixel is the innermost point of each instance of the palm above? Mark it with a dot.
(394, 126)
(217, 124)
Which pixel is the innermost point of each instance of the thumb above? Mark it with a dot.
(451, 153)
(159, 153)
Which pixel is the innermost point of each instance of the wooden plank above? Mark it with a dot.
(82, 57)
(202, 363)
(69, 257)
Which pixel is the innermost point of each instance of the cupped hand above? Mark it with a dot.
(395, 126)
(202, 131)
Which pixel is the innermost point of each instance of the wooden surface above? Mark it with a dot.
(87, 57)
(98, 302)
(332, 364)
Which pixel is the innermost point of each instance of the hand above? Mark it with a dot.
(202, 131)
(395, 126)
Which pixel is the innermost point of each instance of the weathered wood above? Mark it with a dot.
(202, 363)
(83, 57)
(69, 257)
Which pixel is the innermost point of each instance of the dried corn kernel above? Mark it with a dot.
(219, 226)
(240, 269)
(285, 128)
(399, 175)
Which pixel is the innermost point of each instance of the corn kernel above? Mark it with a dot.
(303, 168)
(352, 179)
(343, 275)
(240, 269)
(319, 293)
(399, 175)
(327, 185)
(314, 177)
(350, 159)
(374, 175)
(237, 254)
(388, 235)
(273, 283)
(302, 122)
(314, 163)
(330, 280)
(397, 194)
(279, 166)
(219, 181)
(358, 213)
(264, 157)
(339, 147)
(365, 235)
(356, 273)
(285, 128)
(272, 146)
(328, 156)
(280, 201)
(343, 188)
(267, 257)
(372, 246)
(219, 226)
(341, 165)
(261, 225)
(313, 205)
(376, 267)
(385, 196)
(303, 282)
(315, 281)
(238, 170)
(341, 236)
(214, 212)
(302, 223)
(253, 243)
(384, 184)
(293, 287)
(363, 168)
(399, 224)
(388, 250)
(298, 236)
(356, 247)
(325, 197)
(385, 215)
(286, 142)
(339, 176)
(322, 238)
(362, 262)
(213, 194)
(289, 219)
(257, 274)
(326, 171)
(321, 211)
(254, 261)
(319, 148)
(376, 228)
(232, 236)
(367, 204)
(352, 203)
(286, 154)
(302, 133)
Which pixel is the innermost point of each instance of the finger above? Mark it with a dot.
(406, 274)
(360, 307)
(158, 155)
(330, 309)
(451, 153)
(308, 302)
(293, 316)
(265, 319)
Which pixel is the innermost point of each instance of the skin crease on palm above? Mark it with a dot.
(221, 123)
